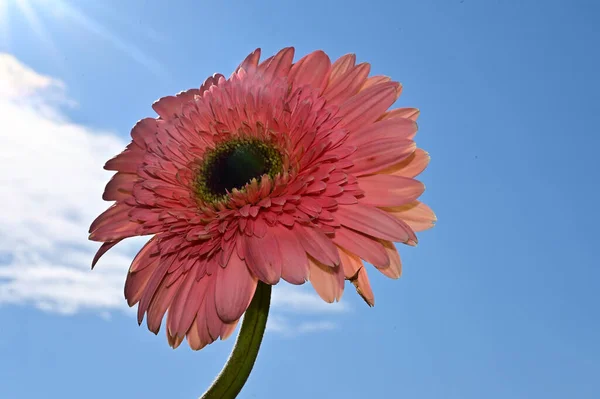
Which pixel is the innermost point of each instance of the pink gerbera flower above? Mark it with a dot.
(291, 171)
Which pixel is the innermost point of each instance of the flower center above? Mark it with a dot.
(233, 164)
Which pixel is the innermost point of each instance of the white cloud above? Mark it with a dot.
(51, 181)
(297, 299)
(285, 326)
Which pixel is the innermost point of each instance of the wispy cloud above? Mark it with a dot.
(51, 182)
(291, 328)
(76, 17)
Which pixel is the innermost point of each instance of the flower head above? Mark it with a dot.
(292, 171)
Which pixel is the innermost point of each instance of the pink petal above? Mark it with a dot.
(127, 161)
(202, 324)
(347, 84)
(160, 303)
(174, 340)
(145, 256)
(374, 222)
(119, 187)
(387, 190)
(374, 80)
(312, 69)
(396, 128)
(170, 106)
(416, 214)
(102, 250)
(342, 65)
(213, 321)
(234, 290)
(228, 329)
(327, 281)
(381, 154)
(368, 105)
(113, 224)
(318, 245)
(193, 337)
(150, 289)
(186, 303)
(395, 269)
(411, 166)
(295, 266)
(136, 282)
(279, 65)
(365, 247)
(354, 271)
(251, 62)
(118, 211)
(409, 113)
(263, 257)
(350, 263)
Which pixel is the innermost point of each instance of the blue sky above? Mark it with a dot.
(499, 300)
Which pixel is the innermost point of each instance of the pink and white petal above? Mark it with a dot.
(313, 69)
(416, 214)
(327, 281)
(395, 269)
(363, 246)
(234, 289)
(374, 222)
(368, 105)
(294, 269)
(389, 191)
(263, 257)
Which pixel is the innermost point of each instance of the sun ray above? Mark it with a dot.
(32, 9)
(146, 31)
(128, 49)
(4, 24)
(36, 25)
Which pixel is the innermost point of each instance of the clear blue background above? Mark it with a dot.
(499, 300)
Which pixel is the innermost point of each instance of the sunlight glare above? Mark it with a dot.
(31, 9)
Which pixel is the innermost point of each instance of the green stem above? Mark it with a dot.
(236, 371)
